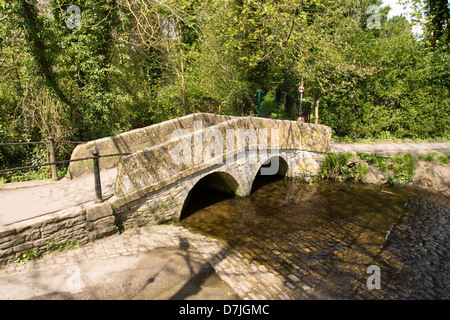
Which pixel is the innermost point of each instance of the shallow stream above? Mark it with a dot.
(328, 234)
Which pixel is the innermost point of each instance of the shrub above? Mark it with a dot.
(337, 167)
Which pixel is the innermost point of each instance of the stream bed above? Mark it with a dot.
(343, 240)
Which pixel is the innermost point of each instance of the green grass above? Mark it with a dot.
(50, 247)
(375, 160)
(403, 167)
(434, 156)
(444, 159)
(388, 138)
(30, 255)
(339, 167)
(429, 157)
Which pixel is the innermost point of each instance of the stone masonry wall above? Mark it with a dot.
(166, 204)
(81, 224)
(135, 140)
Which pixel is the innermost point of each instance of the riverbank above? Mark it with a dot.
(423, 165)
(430, 175)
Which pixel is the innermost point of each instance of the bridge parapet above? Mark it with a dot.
(135, 140)
(190, 152)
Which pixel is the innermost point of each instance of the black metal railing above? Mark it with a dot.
(51, 142)
(53, 163)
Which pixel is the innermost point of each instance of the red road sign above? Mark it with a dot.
(301, 118)
(301, 89)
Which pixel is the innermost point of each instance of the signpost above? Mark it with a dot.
(259, 102)
(301, 90)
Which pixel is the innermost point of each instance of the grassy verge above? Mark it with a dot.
(342, 167)
(400, 168)
(387, 138)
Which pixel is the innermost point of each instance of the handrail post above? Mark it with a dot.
(97, 182)
(51, 141)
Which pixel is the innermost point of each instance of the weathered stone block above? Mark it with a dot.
(7, 231)
(5, 253)
(49, 230)
(98, 211)
(32, 234)
(12, 241)
(23, 247)
(105, 227)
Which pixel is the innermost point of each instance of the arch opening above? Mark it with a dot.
(213, 188)
(264, 176)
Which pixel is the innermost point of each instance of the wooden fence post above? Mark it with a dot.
(53, 158)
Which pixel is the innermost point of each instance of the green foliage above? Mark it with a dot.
(375, 160)
(50, 247)
(30, 255)
(338, 167)
(403, 168)
(444, 159)
(403, 163)
(134, 63)
(273, 107)
(429, 157)
(400, 178)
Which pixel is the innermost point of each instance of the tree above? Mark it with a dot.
(434, 17)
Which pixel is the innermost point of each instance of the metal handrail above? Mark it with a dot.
(51, 142)
(37, 142)
(21, 143)
(62, 162)
(95, 158)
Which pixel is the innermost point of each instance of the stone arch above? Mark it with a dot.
(283, 166)
(221, 181)
(273, 170)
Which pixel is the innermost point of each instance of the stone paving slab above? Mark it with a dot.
(247, 280)
(386, 149)
(26, 203)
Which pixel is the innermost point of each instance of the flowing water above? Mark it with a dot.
(327, 234)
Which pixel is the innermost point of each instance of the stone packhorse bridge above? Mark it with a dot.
(166, 161)
(221, 152)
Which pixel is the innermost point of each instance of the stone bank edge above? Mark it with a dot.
(79, 224)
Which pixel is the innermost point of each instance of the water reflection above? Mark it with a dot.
(292, 205)
(325, 233)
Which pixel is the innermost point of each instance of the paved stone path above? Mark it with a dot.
(247, 279)
(386, 149)
(22, 201)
